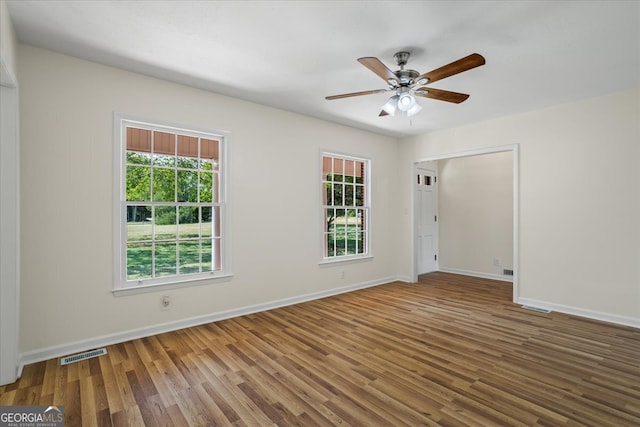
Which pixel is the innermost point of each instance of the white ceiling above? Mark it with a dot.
(291, 54)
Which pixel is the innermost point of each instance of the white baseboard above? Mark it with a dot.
(576, 311)
(119, 337)
(477, 274)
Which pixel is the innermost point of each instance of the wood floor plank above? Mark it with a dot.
(450, 350)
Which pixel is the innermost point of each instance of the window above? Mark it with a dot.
(345, 205)
(170, 205)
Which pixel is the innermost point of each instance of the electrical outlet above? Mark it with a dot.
(342, 274)
(165, 302)
(496, 262)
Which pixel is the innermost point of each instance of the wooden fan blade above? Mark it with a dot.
(347, 95)
(383, 113)
(468, 62)
(375, 65)
(442, 95)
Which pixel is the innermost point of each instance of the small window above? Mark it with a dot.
(345, 206)
(171, 199)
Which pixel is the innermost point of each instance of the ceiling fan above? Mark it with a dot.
(407, 83)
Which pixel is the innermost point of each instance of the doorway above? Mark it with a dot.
(418, 241)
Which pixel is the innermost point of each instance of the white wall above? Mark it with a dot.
(475, 214)
(579, 200)
(67, 108)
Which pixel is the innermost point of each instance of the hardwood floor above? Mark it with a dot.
(450, 350)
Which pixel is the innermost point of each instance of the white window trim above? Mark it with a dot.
(368, 202)
(120, 285)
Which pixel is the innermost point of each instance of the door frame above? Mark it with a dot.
(9, 226)
(514, 149)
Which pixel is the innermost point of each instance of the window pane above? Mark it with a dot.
(330, 218)
(216, 222)
(139, 225)
(338, 194)
(138, 139)
(215, 195)
(216, 255)
(187, 163)
(189, 257)
(338, 169)
(189, 223)
(208, 165)
(359, 195)
(165, 259)
(138, 261)
(327, 194)
(164, 149)
(211, 255)
(188, 148)
(209, 152)
(206, 221)
(162, 160)
(361, 218)
(138, 183)
(351, 232)
(134, 157)
(187, 186)
(165, 223)
(164, 185)
(348, 195)
(206, 187)
(329, 246)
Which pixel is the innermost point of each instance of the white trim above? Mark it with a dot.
(477, 274)
(581, 312)
(106, 340)
(514, 148)
(121, 286)
(158, 287)
(9, 225)
(345, 259)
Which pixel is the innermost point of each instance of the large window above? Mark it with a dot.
(345, 205)
(171, 205)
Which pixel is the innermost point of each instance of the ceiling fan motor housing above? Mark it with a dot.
(401, 58)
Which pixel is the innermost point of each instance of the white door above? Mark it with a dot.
(425, 184)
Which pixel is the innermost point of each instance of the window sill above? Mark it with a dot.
(341, 260)
(157, 287)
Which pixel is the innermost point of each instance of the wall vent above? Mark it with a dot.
(82, 356)
(538, 309)
(507, 272)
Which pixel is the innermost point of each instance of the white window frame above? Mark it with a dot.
(122, 286)
(368, 253)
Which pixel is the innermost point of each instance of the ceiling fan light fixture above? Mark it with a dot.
(391, 105)
(406, 101)
(414, 110)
